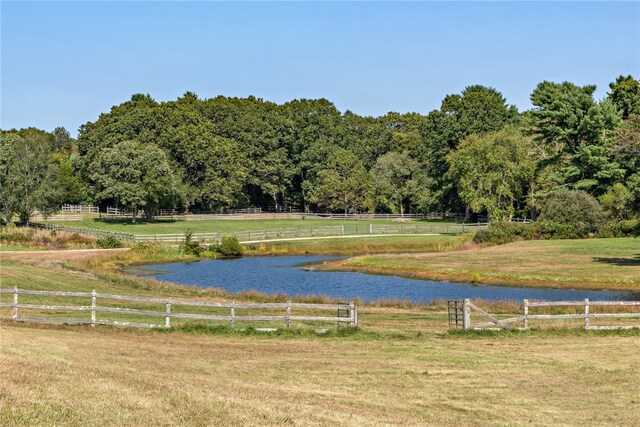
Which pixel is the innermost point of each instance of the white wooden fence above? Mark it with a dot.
(350, 310)
(586, 314)
(67, 208)
(329, 230)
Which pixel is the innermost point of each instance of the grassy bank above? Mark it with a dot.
(586, 264)
(360, 245)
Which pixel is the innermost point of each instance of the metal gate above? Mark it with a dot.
(455, 313)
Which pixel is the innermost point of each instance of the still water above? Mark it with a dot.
(282, 275)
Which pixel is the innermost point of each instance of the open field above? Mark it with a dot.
(166, 226)
(80, 376)
(401, 367)
(594, 264)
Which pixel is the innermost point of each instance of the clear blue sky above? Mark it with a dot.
(64, 63)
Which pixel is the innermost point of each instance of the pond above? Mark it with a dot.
(283, 275)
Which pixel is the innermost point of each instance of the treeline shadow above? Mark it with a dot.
(634, 261)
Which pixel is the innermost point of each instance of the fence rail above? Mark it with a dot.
(351, 310)
(337, 230)
(68, 208)
(92, 232)
(587, 315)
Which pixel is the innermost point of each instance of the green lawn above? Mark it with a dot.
(594, 263)
(179, 226)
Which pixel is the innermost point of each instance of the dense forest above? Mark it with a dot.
(475, 153)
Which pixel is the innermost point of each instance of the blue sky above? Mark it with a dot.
(64, 63)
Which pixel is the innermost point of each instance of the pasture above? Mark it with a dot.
(402, 367)
(76, 375)
(587, 264)
(170, 226)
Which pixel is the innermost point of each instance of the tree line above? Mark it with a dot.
(475, 153)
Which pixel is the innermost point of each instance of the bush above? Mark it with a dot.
(228, 246)
(626, 228)
(189, 246)
(575, 208)
(108, 242)
(499, 233)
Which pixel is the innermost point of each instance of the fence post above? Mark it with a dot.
(466, 315)
(354, 314)
(342, 229)
(526, 313)
(586, 313)
(233, 317)
(167, 311)
(287, 317)
(15, 303)
(370, 228)
(93, 308)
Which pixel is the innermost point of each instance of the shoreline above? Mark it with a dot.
(340, 265)
(122, 264)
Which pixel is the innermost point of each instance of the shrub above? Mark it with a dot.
(228, 246)
(108, 242)
(573, 207)
(189, 246)
(630, 227)
(505, 232)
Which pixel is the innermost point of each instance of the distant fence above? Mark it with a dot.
(463, 310)
(67, 208)
(337, 230)
(91, 232)
(350, 310)
(274, 233)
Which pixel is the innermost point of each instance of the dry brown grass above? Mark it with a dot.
(587, 264)
(80, 376)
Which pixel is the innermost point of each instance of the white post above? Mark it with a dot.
(526, 314)
(355, 314)
(370, 228)
(93, 308)
(586, 313)
(287, 317)
(15, 303)
(342, 229)
(466, 315)
(167, 319)
(233, 317)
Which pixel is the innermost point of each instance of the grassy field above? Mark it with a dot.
(165, 226)
(179, 226)
(79, 376)
(594, 263)
(401, 367)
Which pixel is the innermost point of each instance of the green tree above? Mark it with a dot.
(477, 110)
(398, 181)
(135, 176)
(491, 170)
(343, 184)
(625, 95)
(27, 177)
(575, 133)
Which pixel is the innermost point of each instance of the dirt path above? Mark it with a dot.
(67, 254)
